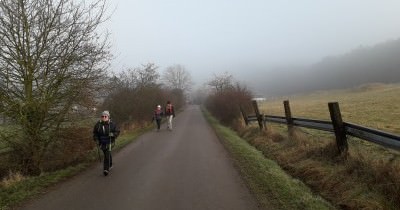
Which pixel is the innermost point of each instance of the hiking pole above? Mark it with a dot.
(98, 152)
(110, 134)
(109, 155)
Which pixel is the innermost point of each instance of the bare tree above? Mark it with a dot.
(221, 82)
(136, 93)
(51, 58)
(177, 77)
(146, 76)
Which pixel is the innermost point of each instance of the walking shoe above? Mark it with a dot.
(105, 172)
(111, 167)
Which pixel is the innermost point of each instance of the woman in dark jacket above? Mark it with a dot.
(105, 132)
(157, 116)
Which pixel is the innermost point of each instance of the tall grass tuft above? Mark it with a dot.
(12, 178)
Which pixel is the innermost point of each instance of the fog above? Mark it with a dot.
(250, 39)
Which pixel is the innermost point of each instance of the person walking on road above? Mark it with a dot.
(104, 133)
(170, 113)
(157, 116)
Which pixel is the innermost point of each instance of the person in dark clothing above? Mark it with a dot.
(104, 133)
(157, 116)
(170, 113)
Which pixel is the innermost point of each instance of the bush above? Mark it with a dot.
(69, 146)
(72, 148)
(225, 104)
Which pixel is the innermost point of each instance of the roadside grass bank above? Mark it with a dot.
(367, 177)
(270, 185)
(16, 189)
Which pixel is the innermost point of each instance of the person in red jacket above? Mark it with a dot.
(170, 114)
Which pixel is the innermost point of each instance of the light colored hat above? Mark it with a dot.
(105, 113)
(158, 106)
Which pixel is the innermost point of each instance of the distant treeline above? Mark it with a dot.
(377, 64)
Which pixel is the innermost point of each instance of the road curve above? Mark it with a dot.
(186, 168)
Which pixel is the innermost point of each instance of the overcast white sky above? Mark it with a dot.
(214, 36)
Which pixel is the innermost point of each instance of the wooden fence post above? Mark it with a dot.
(257, 111)
(338, 126)
(288, 115)
(244, 116)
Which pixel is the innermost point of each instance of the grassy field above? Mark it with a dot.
(374, 105)
(367, 176)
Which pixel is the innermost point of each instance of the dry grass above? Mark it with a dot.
(11, 178)
(376, 106)
(368, 176)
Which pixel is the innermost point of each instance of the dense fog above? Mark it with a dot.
(377, 64)
(276, 47)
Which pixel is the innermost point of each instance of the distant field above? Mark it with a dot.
(373, 105)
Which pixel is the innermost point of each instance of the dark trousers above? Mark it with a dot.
(107, 158)
(158, 121)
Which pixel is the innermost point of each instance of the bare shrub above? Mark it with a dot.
(135, 94)
(225, 104)
(73, 147)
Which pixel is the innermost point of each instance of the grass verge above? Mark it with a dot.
(271, 186)
(366, 177)
(15, 189)
(13, 194)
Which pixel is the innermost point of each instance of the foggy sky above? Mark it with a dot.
(238, 36)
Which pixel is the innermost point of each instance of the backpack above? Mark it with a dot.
(169, 109)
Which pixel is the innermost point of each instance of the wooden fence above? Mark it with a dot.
(336, 125)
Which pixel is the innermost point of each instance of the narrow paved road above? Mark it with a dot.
(186, 168)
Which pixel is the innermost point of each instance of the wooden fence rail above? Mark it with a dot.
(337, 126)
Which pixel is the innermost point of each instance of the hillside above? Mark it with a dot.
(379, 63)
(364, 65)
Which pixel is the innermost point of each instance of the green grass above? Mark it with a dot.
(15, 192)
(272, 187)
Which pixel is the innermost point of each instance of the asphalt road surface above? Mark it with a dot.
(186, 168)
